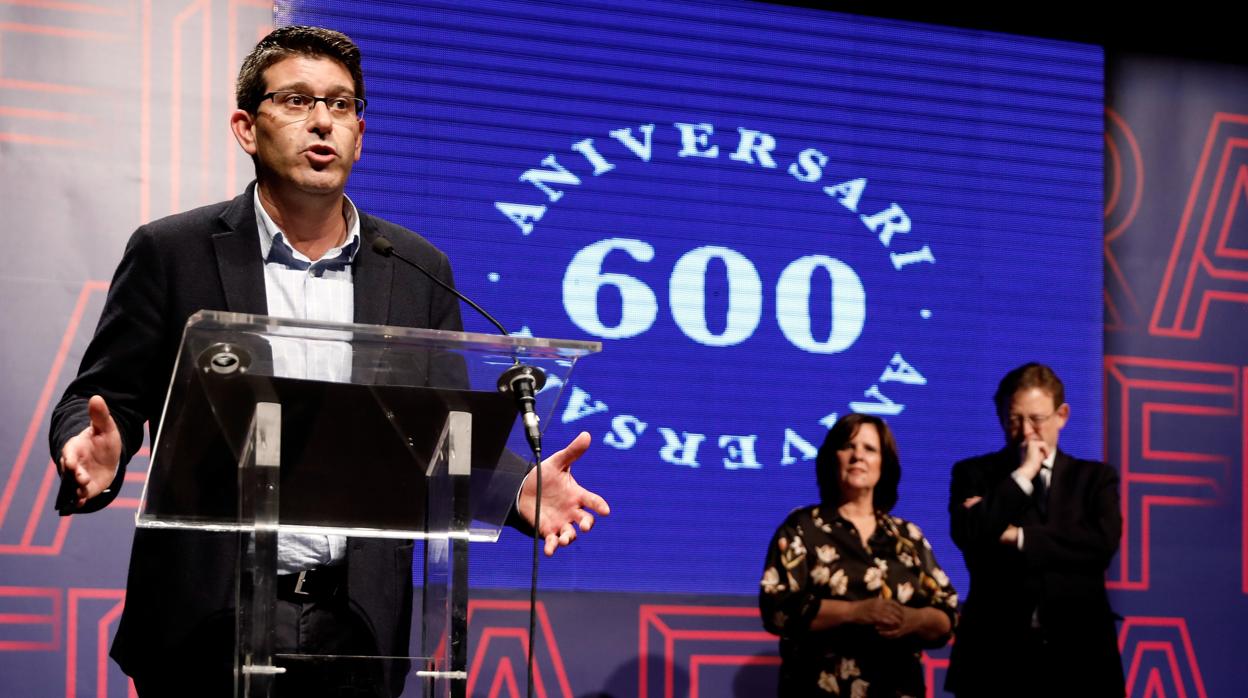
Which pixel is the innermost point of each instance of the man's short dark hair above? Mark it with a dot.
(282, 43)
(828, 471)
(1025, 377)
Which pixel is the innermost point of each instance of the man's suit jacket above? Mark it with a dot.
(209, 258)
(1059, 577)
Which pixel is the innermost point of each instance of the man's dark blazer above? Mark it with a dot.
(209, 258)
(1059, 576)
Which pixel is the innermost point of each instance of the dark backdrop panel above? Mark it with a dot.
(1175, 282)
(112, 113)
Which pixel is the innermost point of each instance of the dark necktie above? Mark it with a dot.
(1040, 490)
(280, 253)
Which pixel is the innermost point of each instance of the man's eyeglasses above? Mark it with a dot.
(299, 106)
(1015, 421)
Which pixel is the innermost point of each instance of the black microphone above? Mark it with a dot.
(520, 380)
(385, 248)
(523, 382)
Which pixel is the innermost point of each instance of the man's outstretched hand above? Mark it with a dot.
(564, 502)
(91, 457)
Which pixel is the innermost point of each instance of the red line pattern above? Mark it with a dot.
(33, 619)
(39, 506)
(508, 621)
(200, 9)
(697, 661)
(1150, 400)
(933, 672)
(94, 661)
(62, 32)
(45, 117)
(688, 632)
(145, 112)
(70, 7)
(1161, 649)
(506, 674)
(32, 86)
(1202, 268)
(695, 637)
(234, 58)
(1124, 166)
(190, 158)
(1243, 495)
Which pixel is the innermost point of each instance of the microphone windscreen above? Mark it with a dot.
(382, 246)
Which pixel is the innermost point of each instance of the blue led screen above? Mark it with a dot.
(769, 216)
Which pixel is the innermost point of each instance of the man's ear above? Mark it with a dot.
(359, 141)
(243, 126)
(1063, 414)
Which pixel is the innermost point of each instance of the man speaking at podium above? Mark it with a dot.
(290, 246)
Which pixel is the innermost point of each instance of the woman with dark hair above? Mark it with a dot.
(854, 593)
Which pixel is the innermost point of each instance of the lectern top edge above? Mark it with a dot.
(531, 347)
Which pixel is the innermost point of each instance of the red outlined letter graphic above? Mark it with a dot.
(1124, 188)
(30, 619)
(28, 489)
(1164, 412)
(93, 615)
(28, 524)
(1159, 659)
(499, 632)
(699, 642)
(63, 111)
(701, 650)
(1209, 260)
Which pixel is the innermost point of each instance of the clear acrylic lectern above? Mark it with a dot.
(370, 437)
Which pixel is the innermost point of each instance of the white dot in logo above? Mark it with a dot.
(925, 313)
(493, 276)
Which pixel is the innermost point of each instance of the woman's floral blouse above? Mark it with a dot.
(816, 554)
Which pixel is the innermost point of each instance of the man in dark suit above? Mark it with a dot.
(289, 246)
(1038, 528)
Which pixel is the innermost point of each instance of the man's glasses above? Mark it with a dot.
(1015, 421)
(299, 106)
